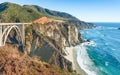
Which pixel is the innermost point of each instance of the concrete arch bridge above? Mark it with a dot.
(5, 29)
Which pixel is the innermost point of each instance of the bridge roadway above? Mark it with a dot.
(5, 29)
(15, 23)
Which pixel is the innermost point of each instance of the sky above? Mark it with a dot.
(86, 10)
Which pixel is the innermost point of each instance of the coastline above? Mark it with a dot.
(72, 56)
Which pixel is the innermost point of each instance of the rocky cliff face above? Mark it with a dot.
(81, 24)
(48, 42)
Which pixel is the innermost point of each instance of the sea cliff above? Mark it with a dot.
(49, 41)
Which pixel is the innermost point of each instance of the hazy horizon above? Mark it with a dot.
(85, 10)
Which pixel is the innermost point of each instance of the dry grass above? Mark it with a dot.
(12, 62)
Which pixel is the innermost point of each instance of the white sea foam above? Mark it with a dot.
(106, 63)
(84, 61)
(102, 27)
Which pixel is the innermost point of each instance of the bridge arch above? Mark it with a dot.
(7, 32)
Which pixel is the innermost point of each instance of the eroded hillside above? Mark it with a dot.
(13, 62)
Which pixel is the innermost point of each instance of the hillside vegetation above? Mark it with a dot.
(13, 62)
(10, 12)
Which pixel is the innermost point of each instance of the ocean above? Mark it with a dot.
(100, 56)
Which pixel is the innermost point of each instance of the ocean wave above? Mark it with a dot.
(84, 61)
(101, 57)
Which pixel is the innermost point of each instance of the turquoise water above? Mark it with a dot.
(105, 54)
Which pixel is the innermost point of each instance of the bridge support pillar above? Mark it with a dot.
(23, 35)
(0, 35)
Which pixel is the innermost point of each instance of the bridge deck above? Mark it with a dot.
(15, 23)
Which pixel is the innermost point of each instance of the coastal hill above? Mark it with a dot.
(10, 12)
(49, 37)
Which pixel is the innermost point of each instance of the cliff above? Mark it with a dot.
(48, 41)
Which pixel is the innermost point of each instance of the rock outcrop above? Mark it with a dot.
(41, 20)
(81, 24)
(48, 41)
